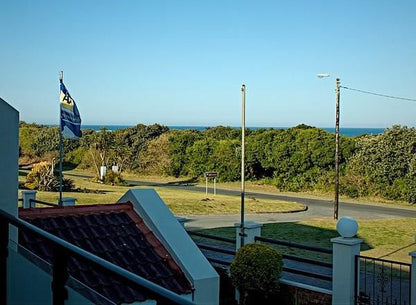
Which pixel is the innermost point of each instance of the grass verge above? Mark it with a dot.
(390, 239)
(180, 202)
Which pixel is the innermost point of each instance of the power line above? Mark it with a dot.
(378, 94)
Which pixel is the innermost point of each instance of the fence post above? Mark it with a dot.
(4, 252)
(413, 279)
(27, 197)
(251, 230)
(345, 249)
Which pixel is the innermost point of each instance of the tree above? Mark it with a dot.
(156, 159)
(179, 141)
(200, 156)
(99, 146)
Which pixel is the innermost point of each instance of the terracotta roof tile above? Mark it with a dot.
(114, 232)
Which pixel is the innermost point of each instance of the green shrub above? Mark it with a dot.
(255, 271)
(113, 178)
(43, 177)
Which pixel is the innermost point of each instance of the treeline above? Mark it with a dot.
(295, 159)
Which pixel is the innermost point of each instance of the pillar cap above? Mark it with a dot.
(347, 227)
(348, 241)
(29, 191)
(249, 225)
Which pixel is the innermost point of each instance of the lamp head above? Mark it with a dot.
(321, 75)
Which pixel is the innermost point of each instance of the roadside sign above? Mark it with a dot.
(210, 174)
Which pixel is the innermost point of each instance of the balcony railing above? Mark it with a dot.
(63, 251)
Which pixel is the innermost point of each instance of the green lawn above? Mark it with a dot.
(391, 239)
(180, 202)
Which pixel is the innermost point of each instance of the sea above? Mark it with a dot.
(347, 131)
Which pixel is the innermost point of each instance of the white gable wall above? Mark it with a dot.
(171, 233)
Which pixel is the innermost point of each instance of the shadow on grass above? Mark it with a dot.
(318, 236)
(186, 182)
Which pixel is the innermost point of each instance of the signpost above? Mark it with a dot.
(210, 175)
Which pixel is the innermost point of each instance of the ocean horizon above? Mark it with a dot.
(345, 131)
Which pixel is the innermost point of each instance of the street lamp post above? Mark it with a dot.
(337, 91)
(336, 199)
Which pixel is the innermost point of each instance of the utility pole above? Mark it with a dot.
(336, 199)
(243, 123)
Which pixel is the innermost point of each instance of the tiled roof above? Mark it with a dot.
(113, 232)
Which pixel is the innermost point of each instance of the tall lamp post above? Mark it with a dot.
(337, 91)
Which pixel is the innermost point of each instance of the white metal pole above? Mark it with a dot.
(243, 123)
(206, 186)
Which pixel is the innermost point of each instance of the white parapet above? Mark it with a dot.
(157, 216)
(9, 154)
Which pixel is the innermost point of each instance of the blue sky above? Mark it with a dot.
(183, 62)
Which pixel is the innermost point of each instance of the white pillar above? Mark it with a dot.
(413, 279)
(103, 171)
(345, 249)
(251, 230)
(68, 201)
(28, 195)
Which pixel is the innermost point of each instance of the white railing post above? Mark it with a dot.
(27, 196)
(251, 230)
(68, 201)
(413, 279)
(345, 249)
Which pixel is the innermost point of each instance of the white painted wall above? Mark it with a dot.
(171, 233)
(9, 155)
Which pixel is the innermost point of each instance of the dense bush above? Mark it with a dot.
(295, 159)
(256, 270)
(384, 165)
(113, 178)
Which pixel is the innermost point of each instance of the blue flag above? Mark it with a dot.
(70, 118)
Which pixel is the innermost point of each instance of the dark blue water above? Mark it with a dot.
(349, 132)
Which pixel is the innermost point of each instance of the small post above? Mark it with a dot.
(345, 249)
(59, 276)
(4, 253)
(215, 189)
(68, 201)
(251, 230)
(28, 197)
(206, 186)
(413, 279)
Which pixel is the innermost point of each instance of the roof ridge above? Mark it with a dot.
(76, 210)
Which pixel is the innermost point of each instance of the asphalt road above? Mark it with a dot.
(317, 208)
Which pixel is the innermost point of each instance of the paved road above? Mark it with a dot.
(317, 208)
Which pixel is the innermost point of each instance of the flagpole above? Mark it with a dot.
(61, 79)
